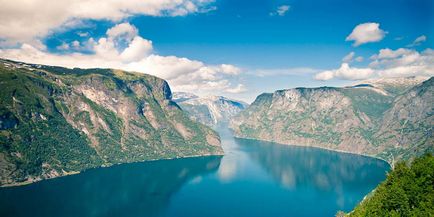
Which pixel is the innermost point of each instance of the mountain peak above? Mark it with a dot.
(209, 110)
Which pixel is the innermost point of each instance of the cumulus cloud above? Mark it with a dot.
(123, 48)
(345, 72)
(63, 46)
(390, 54)
(187, 75)
(23, 21)
(281, 10)
(75, 44)
(365, 33)
(124, 30)
(401, 62)
(419, 40)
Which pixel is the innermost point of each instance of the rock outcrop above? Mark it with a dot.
(55, 121)
(382, 118)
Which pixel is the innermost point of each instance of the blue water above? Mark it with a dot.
(253, 179)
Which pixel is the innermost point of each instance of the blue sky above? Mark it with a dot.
(285, 49)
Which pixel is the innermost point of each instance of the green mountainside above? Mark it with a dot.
(407, 191)
(55, 121)
(391, 119)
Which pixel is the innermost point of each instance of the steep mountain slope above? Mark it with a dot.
(407, 128)
(364, 119)
(55, 121)
(407, 191)
(211, 110)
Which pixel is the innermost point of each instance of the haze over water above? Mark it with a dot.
(253, 179)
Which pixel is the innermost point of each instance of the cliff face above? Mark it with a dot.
(55, 121)
(211, 110)
(365, 119)
(407, 127)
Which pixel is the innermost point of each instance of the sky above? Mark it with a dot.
(234, 48)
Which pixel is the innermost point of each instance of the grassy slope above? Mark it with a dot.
(407, 191)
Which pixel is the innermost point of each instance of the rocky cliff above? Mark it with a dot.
(210, 110)
(385, 118)
(55, 121)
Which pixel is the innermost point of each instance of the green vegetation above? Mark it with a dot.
(39, 136)
(407, 191)
(54, 121)
(368, 101)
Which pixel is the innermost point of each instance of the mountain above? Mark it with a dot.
(55, 121)
(210, 110)
(378, 118)
(392, 86)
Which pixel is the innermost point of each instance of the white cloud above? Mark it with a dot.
(63, 46)
(124, 30)
(387, 63)
(345, 72)
(390, 54)
(349, 57)
(22, 21)
(419, 40)
(182, 74)
(352, 57)
(230, 69)
(365, 33)
(75, 44)
(238, 89)
(325, 75)
(359, 59)
(403, 62)
(281, 10)
(83, 34)
(137, 49)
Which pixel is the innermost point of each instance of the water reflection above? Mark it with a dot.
(328, 171)
(141, 189)
(253, 179)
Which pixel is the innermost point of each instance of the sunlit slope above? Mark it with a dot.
(55, 121)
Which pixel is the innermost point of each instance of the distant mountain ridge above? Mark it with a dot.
(392, 86)
(209, 110)
(382, 118)
(56, 121)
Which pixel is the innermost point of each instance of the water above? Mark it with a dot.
(253, 179)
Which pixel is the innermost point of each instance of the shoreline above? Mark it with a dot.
(27, 182)
(323, 148)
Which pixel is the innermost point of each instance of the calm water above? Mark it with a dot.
(252, 179)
